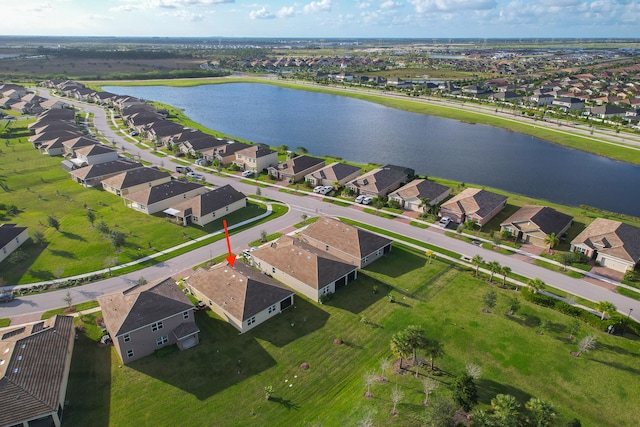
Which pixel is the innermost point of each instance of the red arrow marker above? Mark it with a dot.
(231, 259)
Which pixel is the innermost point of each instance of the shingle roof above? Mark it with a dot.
(240, 290)
(255, 151)
(613, 238)
(310, 265)
(94, 150)
(139, 306)
(33, 371)
(378, 179)
(135, 177)
(335, 172)
(164, 191)
(298, 164)
(8, 232)
(474, 201)
(211, 201)
(344, 237)
(101, 169)
(548, 220)
(420, 189)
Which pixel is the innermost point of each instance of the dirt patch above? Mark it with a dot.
(304, 366)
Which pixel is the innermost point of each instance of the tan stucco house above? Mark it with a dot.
(473, 204)
(160, 197)
(295, 169)
(381, 181)
(612, 244)
(143, 319)
(240, 295)
(207, 207)
(340, 173)
(309, 270)
(410, 196)
(34, 370)
(135, 180)
(346, 242)
(532, 224)
(256, 158)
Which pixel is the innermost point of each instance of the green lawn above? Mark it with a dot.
(221, 381)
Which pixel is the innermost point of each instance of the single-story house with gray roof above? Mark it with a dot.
(532, 224)
(160, 197)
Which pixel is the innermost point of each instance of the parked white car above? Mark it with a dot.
(367, 200)
(196, 176)
(444, 222)
(318, 189)
(360, 198)
(247, 174)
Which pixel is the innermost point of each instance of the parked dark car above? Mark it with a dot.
(6, 297)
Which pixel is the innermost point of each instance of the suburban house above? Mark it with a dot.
(145, 318)
(532, 224)
(160, 197)
(608, 111)
(71, 145)
(241, 295)
(346, 242)
(473, 204)
(568, 103)
(542, 99)
(256, 158)
(309, 270)
(162, 130)
(295, 169)
(94, 154)
(135, 180)
(410, 196)
(340, 173)
(612, 244)
(223, 153)
(34, 370)
(93, 175)
(198, 144)
(506, 96)
(11, 238)
(381, 181)
(207, 207)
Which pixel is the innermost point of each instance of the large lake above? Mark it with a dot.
(366, 132)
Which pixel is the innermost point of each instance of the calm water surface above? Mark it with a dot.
(365, 132)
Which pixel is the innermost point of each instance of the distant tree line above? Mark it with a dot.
(85, 53)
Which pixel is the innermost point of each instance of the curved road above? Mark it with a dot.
(311, 205)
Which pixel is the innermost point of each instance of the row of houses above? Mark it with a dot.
(19, 98)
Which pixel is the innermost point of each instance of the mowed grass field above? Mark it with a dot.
(38, 186)
(221, 381)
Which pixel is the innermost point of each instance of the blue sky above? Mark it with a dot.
(325, 18)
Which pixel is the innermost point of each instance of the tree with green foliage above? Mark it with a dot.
(102, 227)
(505, 271)
(551, 240)
(301, 150)
(536, 285)
(465, 391)
(53, 222)
(117, 239)
(481, 418)
(541, 413)
(442, 413)
(574, 327)
(505, 410)
(435, 349)
(565, 259)
(68, 299)
(91, 216)
(38, 238)
(494, 267)
(477, 261)
(424, 204)
(407, 342)
(606, 308)
(514, 305)
(490, 299)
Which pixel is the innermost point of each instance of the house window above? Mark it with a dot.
(273, 270)
(185, 315)
(378, 252)
(17, 240)
(156, 326)
(4, 250)
(326, 248)
(251, 321)
(210, 302)
(213, 215)
(129, 354)
(364, 260)
(126, 338)
(226, 208)
(272, 309)
(162, 340)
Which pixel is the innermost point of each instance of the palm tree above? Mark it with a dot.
(424, 204)
(541, 413)
(494, 267)
(551, 241)
(434, 349)
(536, 284)
(606, 308)
(505, 271)
(477, 261)
(505, 410)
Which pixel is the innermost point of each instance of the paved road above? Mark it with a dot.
(310, 205)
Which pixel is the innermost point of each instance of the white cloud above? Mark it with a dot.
(390, 4)
(317, 6)
(286, 12)
(261, 14)
(461, 6)
(363, 5)
(132, 5)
